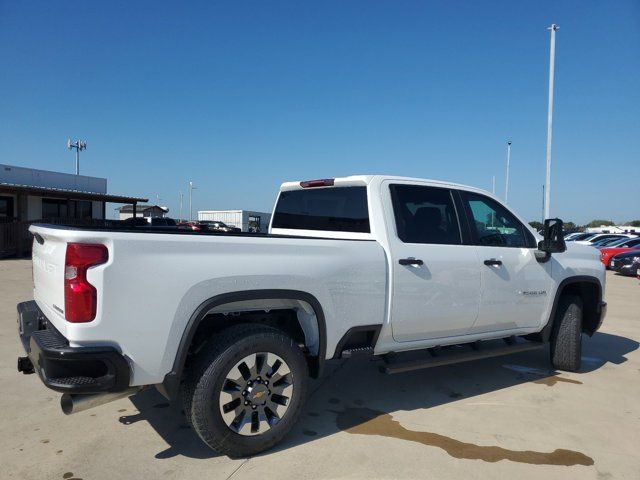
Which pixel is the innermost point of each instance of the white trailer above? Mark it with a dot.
(246, 220)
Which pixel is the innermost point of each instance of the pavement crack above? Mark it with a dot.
(239, 467)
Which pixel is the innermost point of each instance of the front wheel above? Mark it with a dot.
(566, 339)
(248, 390)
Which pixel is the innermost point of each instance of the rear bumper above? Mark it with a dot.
(64, 368)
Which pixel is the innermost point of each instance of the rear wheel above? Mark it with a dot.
(566, 339)
(248, 390)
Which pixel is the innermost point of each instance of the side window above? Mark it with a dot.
(425, 215)
(493, 225)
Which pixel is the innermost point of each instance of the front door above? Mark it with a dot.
(436, 279)
(516, 288)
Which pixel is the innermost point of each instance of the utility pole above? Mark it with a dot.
(506, 187)
(552, 61)
(181, 197)
(191, 189)
(543, 204)
(79, 145)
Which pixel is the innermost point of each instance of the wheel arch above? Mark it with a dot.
(590, 290)
(170, 385)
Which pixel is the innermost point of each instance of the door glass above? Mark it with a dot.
(493, 225)
(425, 215)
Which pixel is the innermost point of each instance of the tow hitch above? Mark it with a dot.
(25, 366)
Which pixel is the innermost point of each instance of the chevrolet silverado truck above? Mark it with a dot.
(417, 272)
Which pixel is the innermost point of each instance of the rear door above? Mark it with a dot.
(516, 287)
(436, 277)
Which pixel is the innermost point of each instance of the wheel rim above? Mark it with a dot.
(256, 393)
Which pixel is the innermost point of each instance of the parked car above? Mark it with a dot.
(362, 265)
(573, 236)
(608, 242)
(626, 263)
(604, 236)
(193, 226)
(608, 252)
(580, 236)
(216, 226)
(157, 222)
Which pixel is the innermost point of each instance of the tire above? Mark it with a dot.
(566, 339)
(244, 361)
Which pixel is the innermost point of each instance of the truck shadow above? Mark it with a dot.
(354, 396)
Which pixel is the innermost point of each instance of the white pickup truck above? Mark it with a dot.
(233, 325)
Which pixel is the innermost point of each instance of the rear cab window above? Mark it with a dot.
(332, 209)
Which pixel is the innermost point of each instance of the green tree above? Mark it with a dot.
(600, 223)
(570, 227)
(537, 226)
(633, 223)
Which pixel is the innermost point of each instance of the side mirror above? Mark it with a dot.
(553, 237)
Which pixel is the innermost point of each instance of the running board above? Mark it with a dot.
(442, 356)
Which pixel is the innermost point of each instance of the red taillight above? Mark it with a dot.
(325, 182)
(80, 297)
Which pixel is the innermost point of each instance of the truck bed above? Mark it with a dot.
(155, 279)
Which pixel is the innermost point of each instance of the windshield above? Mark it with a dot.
(582, 236)
(616, 242)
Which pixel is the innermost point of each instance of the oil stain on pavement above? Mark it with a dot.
(364, 421)
(543, 377)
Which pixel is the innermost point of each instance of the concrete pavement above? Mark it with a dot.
(507, 417)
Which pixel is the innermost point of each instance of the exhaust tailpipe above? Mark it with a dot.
(79, 402)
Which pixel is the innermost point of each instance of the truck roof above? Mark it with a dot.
(367, 179)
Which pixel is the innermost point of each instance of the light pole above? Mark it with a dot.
(79, 145)
(552, 61)
(191, 189)
(181, 197)
(543, 203)
(493, 185)
(506, 187)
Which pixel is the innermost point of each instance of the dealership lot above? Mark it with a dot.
(487, 419)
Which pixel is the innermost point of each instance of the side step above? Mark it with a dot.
(357, 352)
(444, 356)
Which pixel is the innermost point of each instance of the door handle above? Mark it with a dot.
(493, 261)
(410, 261)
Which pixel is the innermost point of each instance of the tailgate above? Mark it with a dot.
(48, 257)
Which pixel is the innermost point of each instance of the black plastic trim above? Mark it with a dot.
(546, 331)
(171, 382)
(353, 330)
(68, 369)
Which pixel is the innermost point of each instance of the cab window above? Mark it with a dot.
(492, 225)
(425, 214)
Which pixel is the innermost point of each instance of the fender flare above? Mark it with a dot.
(169, 387)
(548, 328)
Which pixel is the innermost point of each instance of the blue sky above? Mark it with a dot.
(241, 96)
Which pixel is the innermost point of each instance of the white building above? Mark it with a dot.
(142, 210)
(246, 220)
(613, 229)
(28, 194)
